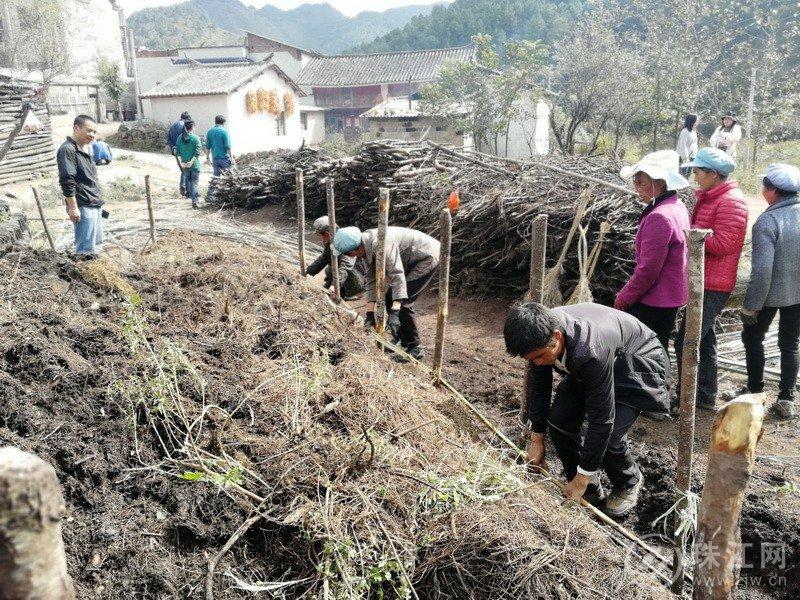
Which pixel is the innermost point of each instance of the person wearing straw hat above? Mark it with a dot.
(658, 286)
(775, 287)
(412, 259)
(727, 136)
(613, 368)
(721, 208)
(352, 271)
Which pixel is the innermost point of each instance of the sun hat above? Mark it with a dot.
(322, 225)
(730, 115)
(714, 159)
(346, 240)
(784, 177)
(663, 164)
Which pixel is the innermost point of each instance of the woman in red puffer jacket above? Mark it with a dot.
(720, 207)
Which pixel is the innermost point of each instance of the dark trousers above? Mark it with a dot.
(660, 320)
(353, 284)
(409, 333)
(566, 418)
(713, 303)
(788, 337)
(183, 186)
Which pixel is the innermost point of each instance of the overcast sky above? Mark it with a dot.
(348, 7)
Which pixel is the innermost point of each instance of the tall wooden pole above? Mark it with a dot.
(42, 217)
(380, 261)
(337, 285)
(446, 236)
(15, 132)
(535, 294)
(149, 193)
(691, 354)
(32, 560)
(731, 456)
(299, 187)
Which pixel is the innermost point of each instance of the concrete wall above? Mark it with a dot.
(202, 108)
(413, 129)
(314, 134)
(154, 70)
(93, 32)
(255, 133)
(528, 135)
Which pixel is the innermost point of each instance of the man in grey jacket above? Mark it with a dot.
(775, 286)
(613, 368)
(412, 258)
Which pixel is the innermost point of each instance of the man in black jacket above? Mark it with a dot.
(613, 368)
(351, 270)
(77, 175)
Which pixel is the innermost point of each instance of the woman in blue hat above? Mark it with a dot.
(775, 286)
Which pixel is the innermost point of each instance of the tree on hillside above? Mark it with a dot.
(110, 79)
(478, 98)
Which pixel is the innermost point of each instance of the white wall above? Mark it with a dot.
(213, 52)
(255, 133)
(95, 32)
(155, 69)
(202, 108)
(528, 135)
(314, 135)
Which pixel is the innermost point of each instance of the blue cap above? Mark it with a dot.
(714, 159)
(346, 240)
(784, 177)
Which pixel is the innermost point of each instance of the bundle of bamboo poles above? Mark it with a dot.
(30, 155)
(498, 200)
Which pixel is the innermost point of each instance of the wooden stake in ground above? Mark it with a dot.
(536, 292)
(32, 561)
(446, 229)
(299, 185)
(380, 261)
(737, 429)
(151, 216)
(44, 220)
(688, 392)
(337, 285)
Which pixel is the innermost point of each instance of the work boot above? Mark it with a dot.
(620, 502)
(417, 352)
(707, 406)
(657, 416)
(728, 396)
(594, 494)
(784, 410)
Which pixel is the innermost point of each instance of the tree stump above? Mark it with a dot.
(737, 429)
(32, 561)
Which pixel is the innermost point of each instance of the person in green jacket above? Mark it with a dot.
(187, 149)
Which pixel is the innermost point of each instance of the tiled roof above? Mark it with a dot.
(212, 61)
(210, 81)
(372, 69)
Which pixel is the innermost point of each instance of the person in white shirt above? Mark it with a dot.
(726, 137)
(687, 143)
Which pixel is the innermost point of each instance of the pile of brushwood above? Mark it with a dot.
(219, 431)
(145, 136)
(491, 232)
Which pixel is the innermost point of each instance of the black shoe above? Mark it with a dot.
(657, 416)
(417, 353)
(707, 406)
(728, 396)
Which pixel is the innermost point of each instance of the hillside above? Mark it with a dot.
(315, 26)
(455, 24)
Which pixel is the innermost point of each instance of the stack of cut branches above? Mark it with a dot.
(499, 198)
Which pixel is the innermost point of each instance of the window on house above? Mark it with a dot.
(304, 121)
(280, 125)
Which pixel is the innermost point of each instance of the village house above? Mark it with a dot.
(348, 85)
(66, 65)
(240, 93)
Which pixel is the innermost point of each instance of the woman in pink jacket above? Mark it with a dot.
(658, 286)
(720, 207)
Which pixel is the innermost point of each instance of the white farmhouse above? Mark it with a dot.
(207, 91)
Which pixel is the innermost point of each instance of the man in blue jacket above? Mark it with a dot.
(775, 287)
(175, 130)
(613, 368)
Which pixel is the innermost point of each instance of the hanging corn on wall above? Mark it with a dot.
(263, 100)
(288, 104)
(251, 102)
(274, 103)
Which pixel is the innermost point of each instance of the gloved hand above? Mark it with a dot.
(369, 320)
(748, 317)
(393, 326)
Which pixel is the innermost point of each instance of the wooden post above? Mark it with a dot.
(299, 189)
(446, 235)
(15, 132)
(535, 294)
(380, 261)
(337, 285)
(42, 217)
(150, 215)
(736, 431)
(691, 354)
(97, 103)
(32, 561)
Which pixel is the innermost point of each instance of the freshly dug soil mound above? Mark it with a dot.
(226, 390)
